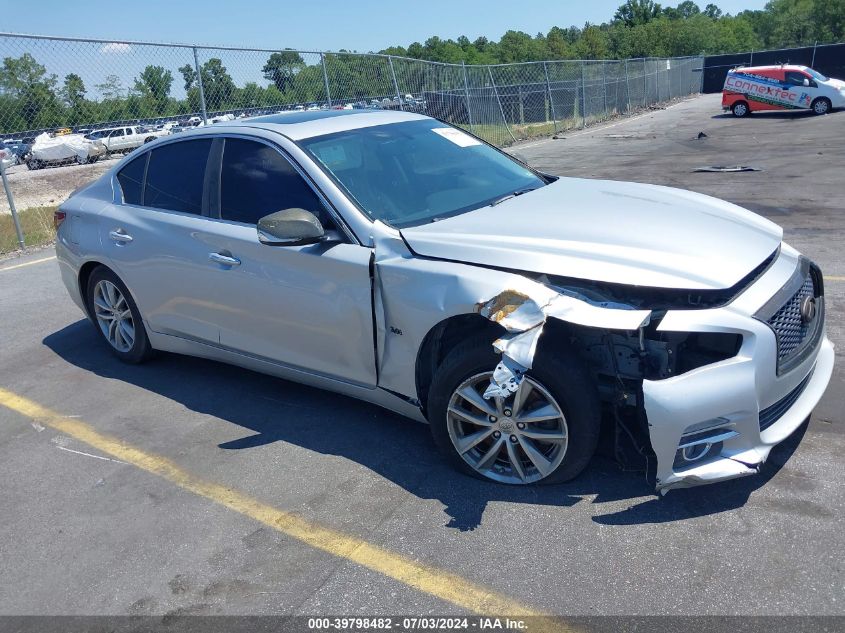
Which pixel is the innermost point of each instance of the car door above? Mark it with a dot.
(157, 239)
(309, 306)
(804, 87)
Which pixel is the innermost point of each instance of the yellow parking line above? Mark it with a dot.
(435, 582)
(34, 261)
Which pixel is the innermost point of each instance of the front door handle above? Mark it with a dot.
(120, 236)
(226, 260)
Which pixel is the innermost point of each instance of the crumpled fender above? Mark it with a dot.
(413, 294)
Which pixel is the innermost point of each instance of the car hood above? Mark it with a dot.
(608, 231)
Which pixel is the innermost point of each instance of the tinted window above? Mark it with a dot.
(175, 176)
(116, 133)
(256, 180)
(796, 79)
(131, 179)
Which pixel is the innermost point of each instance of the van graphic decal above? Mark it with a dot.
(765, 90)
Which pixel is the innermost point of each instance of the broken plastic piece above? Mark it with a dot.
(523, 315)
(506, 379)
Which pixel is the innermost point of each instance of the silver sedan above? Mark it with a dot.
(400, 260)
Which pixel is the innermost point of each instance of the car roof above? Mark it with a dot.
(300, 125)
(745, 69)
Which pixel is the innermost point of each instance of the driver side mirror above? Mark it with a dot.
(290, 227)
(806, 82)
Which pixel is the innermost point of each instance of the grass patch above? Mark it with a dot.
(37, 226)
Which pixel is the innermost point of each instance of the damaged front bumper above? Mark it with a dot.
(715, 422)
(720, 421)
(728, 399)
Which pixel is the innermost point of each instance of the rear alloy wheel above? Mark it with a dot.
(740, 109)
(821, 105)
(117, 317)
(82, 160)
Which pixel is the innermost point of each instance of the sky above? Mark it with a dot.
(360, 25)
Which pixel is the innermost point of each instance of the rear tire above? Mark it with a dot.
(740, 109)
(822, 105)
(116, 317)
(558, 384)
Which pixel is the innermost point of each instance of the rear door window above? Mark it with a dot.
(175, 176)
(131, 179)
(256, 180)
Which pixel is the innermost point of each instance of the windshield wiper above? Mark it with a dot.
(509, 196)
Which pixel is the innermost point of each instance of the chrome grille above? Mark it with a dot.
(787, 324)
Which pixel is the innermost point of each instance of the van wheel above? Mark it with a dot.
(740, 109)
(116, 317)
(546, 432)
(821, 105)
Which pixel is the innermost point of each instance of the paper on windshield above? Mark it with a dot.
(459, 138)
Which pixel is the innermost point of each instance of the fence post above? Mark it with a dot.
(751, 63)
(627, 88)
(199, 84)
(326, 79)
(604, 83)
(466, 95)
(813, 63)
(583, 95)
(501, 109)
(12, 208)
(395, 83)
(645, 82)
(551, 101)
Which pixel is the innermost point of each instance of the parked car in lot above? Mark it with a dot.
(126, 137)
(396, 259)
(60, 150)
(782, 87)
(7, 156)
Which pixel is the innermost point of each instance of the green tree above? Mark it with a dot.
(713, 12)
(154, 84)
(281, 68)
(73, 90)
(29, 92)
(111, 88)
(635, 12)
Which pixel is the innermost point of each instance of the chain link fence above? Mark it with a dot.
(68, 86)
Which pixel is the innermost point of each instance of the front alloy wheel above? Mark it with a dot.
(521, 439)
(114, 316)
(821, 106)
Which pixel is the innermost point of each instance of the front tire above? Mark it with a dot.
(546, 432)
(116, 317)
(822, 105)
(740, 109)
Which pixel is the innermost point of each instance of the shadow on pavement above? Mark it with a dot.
(390, 445)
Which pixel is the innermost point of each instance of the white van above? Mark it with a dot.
(784, 87)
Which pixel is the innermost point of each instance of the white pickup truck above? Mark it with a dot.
(125, 138)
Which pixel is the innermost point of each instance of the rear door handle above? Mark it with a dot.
(120, 236)
(226, 260)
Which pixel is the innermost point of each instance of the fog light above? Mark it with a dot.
(702, 441)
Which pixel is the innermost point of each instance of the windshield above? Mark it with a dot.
(816, 75)
(412, 173)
